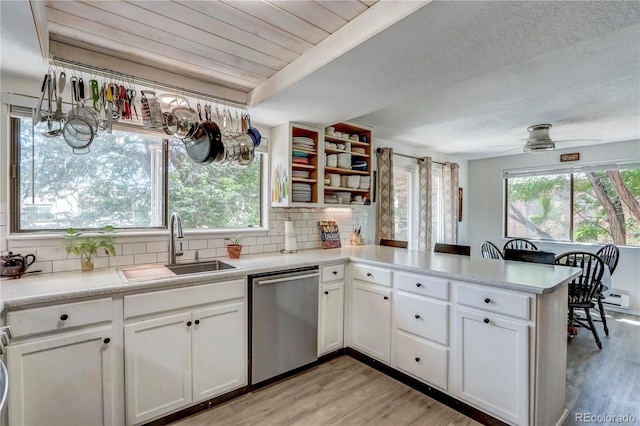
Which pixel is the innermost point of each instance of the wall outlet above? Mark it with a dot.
(280, 227)
(365, 218)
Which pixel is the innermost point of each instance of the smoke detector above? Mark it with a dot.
(539, 139)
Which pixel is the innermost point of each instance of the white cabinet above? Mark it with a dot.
(63, 378)
(188, 355)
(331, 309)
(492, 364)
(219, 350)
(371, 320)
(157, 366)
(421, 320)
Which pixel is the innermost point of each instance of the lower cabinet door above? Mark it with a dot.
(62, 380)
(330, 323)
(422, 359)
(157, 366)
(492, 364)
(371, 320)
(219, 348)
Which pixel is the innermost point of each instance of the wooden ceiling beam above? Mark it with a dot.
(39, 13)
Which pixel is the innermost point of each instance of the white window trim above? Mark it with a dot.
(410, 166)
(436, 173)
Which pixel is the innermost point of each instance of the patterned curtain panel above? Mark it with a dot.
(384, 185)
(424, 204)
(450, 202)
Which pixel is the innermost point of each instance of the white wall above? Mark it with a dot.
(486, 200)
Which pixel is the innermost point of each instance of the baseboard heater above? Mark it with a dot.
(618, 298)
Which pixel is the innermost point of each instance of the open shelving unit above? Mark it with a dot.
(363, 142)
(283, 166)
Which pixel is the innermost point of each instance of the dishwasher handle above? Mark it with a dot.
(285, 279)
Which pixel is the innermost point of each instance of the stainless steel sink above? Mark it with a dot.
(197, 267)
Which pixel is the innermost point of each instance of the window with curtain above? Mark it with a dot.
(590, 203)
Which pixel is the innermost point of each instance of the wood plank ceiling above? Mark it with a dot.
(236, 44)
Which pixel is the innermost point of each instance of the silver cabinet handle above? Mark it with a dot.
(281, 280)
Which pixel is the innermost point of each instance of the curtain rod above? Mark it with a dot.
(60, 62)
(378, 150)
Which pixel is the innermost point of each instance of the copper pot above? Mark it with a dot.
(14, 265)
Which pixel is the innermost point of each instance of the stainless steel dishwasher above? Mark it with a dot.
(284, 321)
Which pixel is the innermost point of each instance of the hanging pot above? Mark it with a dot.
(253, 132)
(205, 143)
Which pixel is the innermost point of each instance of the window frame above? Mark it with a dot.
(17, 112)
(569, 170)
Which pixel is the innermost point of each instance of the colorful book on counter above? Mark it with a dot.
(329, 234)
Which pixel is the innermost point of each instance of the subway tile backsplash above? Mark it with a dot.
(51, 256)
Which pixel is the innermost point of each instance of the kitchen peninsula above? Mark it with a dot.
(489, 333)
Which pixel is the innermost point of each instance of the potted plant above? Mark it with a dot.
(87, 247)
(234, 247)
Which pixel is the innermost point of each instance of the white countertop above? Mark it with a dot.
(521, 276)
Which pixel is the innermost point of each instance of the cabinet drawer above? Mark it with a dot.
(422, 317)
(371, 274)
(332, 273)
(59, 317)
(422, 360)
(422, 284)
(179, 298)
(492, 300)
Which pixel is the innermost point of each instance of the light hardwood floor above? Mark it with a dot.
(607, 381)
(342, 391)
(346, 392)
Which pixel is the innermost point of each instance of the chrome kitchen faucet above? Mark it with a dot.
(175, 227)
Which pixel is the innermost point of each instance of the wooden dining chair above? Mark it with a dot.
(519, 244)
(584, 288)
(452, 249)
(394, 243)
(490, 251)
(609, 255)
(530, 256)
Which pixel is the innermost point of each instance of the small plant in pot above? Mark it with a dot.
(234, 247)
(87, 247)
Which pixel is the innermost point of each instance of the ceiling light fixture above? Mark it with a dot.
(539, 139)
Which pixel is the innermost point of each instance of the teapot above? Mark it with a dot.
(14, 265)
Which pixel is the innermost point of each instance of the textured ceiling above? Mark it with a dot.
(469, 77)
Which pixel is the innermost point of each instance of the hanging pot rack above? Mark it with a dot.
(115, 75)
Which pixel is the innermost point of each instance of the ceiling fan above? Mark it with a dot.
(539, 139)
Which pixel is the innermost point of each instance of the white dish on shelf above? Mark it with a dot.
(353, 181)
(300, 173)
(358, 202)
